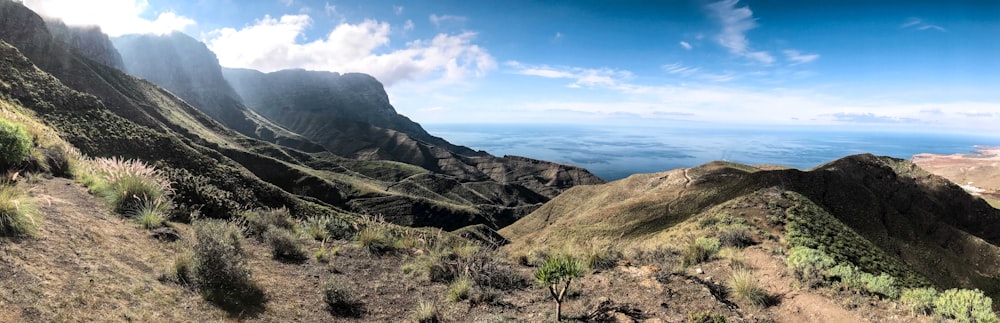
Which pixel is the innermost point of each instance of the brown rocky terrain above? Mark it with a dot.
(978, 173)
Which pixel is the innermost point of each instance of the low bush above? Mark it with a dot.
(258, 221)
(459, 289)
(851, 277)
(183, 267)
(700, 250)
(809, 265)
(221, 270)
(15, 144)
(341, 302)
(919, 300)
(378, 239)
(706, 317)
(883, 284)
(150, 215)
(736, 236)
(745, 286)
(284, 244)
(17, 213)
(965, 305)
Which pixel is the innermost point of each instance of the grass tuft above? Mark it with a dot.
(459, 289)
(17, 213)
(700, 250)
(426, 313)
(746, 287)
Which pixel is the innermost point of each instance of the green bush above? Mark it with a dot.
(556, 274)
(700, 250)
(809, 265)
(920, 300)
(965, 305)
(15, 144)
(17, 213)
(745, 286)
(221, 270)
(326, 226)
(284, 244)
(341, 302)
(883, 284)
(706, 317)
(258, 221)
(183, 267)
(459, 289)
(150, 215)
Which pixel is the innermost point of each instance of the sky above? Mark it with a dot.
(929, 66)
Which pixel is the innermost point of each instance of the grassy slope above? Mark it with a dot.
(896, 213)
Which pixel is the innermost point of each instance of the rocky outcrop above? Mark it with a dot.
(185, 67)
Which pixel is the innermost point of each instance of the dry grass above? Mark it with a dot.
(18, 215)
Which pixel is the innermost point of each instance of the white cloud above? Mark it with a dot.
(288, 3)
(273, 44)
(798, 57)
(398, 10)
(915, 23)
(408, 25)
(686, 45)
(115, 17)
(438, 20)
(581, 77)
(329, 9)
(680, 69)
(736, 22)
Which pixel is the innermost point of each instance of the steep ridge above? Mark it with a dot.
(185, 67)
(906, 214)
(217, 170)
(88, 41)
(351, 116)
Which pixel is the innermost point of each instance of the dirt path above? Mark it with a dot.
(796, 305)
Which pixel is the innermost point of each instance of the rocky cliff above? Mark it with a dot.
(351, 116)
(188, 69)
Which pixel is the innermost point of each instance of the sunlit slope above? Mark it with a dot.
(895, 213)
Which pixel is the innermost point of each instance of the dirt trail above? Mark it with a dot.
(796, 305)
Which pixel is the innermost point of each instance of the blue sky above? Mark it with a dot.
(918, 65)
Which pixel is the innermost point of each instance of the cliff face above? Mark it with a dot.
(185, 67)
(88, 41)
(350, 115)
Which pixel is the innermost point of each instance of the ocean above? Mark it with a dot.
(615, 152)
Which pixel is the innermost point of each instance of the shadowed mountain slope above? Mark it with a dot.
(185, 67)
(217, 170)
(903, 220)
(351, 116)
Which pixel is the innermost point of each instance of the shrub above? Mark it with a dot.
(920, 300)
(150, 215)
(15, 144)
(284, 244)
(17, 213)
(220, 267)
(377, 239)
(258, 221)
(459, 289)
(556, 274)
(128, 184)
(706, 317)
(341, 302)
(701, 250)
(965, 305)
(736, 236)
(315, 227)
(603, 258)
(487, 271)
(746, 287)
(182, 271)
(809, 264)
(426, 313)
(883, 284)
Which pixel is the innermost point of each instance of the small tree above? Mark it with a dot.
(556, 274)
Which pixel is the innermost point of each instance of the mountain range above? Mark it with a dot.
(326, 145)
